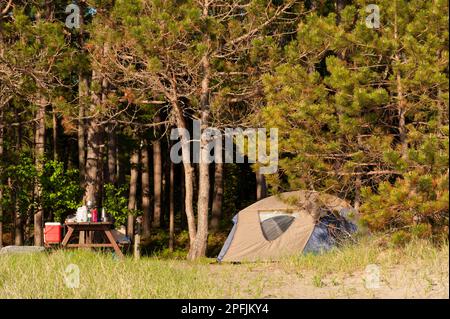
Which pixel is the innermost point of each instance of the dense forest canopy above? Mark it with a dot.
(90, 91)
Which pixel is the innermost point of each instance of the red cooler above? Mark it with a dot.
(53, 233)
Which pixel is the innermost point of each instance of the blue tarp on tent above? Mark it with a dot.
(321, 239)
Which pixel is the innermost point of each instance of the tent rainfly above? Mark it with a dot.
(287, 224)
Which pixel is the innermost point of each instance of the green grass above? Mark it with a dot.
(369, 250)
(102, 276)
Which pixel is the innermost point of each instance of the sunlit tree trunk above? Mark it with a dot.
(18, 223)
(92, 157)
(198, 249)
(157, 183)
(55, 134)
(188, 172)
(112, 154)
(145, 182)
(17, 218)
(39, 153)
(132, 202)
(171, 207)
(216, 210)
(83, 93)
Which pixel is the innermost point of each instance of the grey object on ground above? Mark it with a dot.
(21, 250)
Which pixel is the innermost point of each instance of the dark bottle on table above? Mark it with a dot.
(103, 218)
(89, 211)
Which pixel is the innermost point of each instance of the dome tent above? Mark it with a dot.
(287, 224)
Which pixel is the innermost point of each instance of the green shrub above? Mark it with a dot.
(116, 203)
(414, 207)
(61, 190)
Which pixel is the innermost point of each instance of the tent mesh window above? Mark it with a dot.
(275, 223)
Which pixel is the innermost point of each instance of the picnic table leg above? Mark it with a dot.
(113, 242)
(67, 237)
(89, 237)
(82, 236)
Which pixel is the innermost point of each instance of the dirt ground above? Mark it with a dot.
(269, 281)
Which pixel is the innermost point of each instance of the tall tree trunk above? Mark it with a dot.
(17, 218)
(55, 134)
(171, 206)
(40, 153)
(145, 182)
(157, 183)
(216, 211)
(198, 249)
(18, 223)
(188, 169)
(83, 93)
(112, 154)
(132, 202)
(83, 102)
(183, 219)
(101, 171)
(261, 187)
(92, 157)
(93, 144)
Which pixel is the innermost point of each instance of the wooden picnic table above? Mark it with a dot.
(90, 228)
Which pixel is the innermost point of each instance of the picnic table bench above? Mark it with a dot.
(89, 228)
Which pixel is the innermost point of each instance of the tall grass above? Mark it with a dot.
(103, 276)
(370, 250)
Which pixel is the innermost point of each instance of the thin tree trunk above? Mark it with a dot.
(183, 219)
(40, 153)
(188, 171)
(216, 211)
(17, 218)
(83, 93)
(198, 249)
(171, 207)
(145, 182)
(261, 187)
(101, 171)
(92, 161)
(55, 134)
(112, 155)
(18, 224)
(157, 183)
(92, 146)
(132, 202)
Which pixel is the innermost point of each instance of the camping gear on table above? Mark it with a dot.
(288, 224)
(71, 219)
(53, 233)
(82, 214)
(89, 211)
(104, 217)
(95, 215)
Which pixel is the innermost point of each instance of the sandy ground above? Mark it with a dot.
(269, 281)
